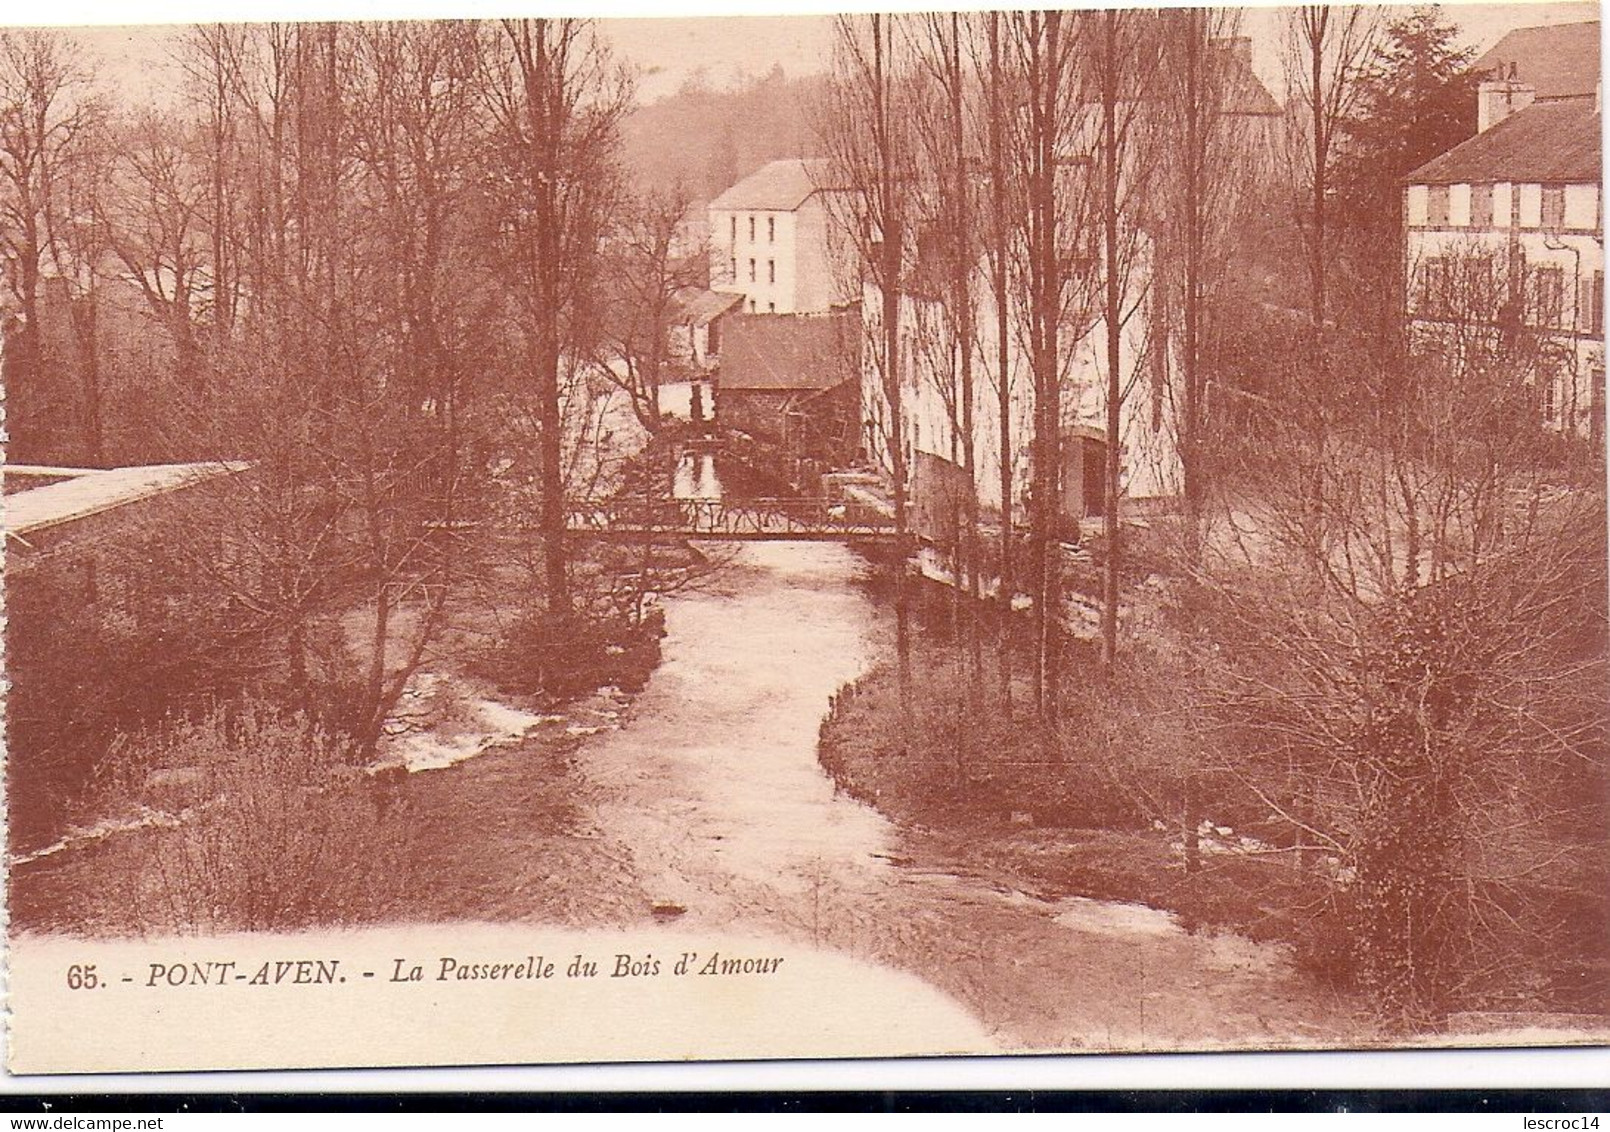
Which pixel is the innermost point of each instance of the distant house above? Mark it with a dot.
(1560, 62)
(770, 241)
(1506, 229)
(696, 320)
(791, 383)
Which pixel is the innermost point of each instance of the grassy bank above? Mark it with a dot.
(964, 777)
(249, 818)
(1166, 761)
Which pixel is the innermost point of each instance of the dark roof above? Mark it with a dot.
(1547, 141)
(1245, 94)
(696, 306)
(789, 352)
(778, 186)
(1559, 60)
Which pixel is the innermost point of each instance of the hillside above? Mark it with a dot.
(707, 139)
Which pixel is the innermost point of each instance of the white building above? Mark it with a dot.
(1512, 220)
(770, 241)
(931, 430)
(1149, 464)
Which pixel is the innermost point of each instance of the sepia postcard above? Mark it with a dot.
(552, 540)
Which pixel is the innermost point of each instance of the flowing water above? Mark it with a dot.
(730, 823)
(702, 814)
(716, 784)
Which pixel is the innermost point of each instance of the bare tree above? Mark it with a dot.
(1210, 159)
(949, 249)
(1428, 753)
(80, 255)
(1207, 165)
(158, 232)
(1324, 53)
(413, 134)
(649, 268)
(414, 138)
(1057, 303)
(48, 114)
(873, 154)
(1002, 208)
(1125, 63)
(556, 99)
(1407, 704)
(212, 58)
(343, 378)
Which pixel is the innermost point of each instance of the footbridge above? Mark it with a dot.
(631, 519)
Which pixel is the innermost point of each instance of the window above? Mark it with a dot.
(734, 229)
(1550, 293)
(1435, 279)
(751, 229)
(1596, 304)
(732, 265)
(751, 306)
(1481, 206)
(1467, 288)
(771, 271)
(771, 229)
(1437, 206)
(1554, 206)
(771, 308)
(1596, 410)
(751, 271)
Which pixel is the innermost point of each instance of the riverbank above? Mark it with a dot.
(251, 818)
(971, 794)
(732, 824)
(476, 825)
(703, 809)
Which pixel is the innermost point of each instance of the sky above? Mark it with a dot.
(729, 47)
(669, 50)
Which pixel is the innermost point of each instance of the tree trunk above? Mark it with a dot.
(1003, 388)
(1113, 313)
(1191, 409)
(1045, 294)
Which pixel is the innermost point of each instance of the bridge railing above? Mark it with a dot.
(715, 518)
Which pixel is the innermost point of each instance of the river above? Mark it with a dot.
(730, 824)
(701, 818)
(715, 782)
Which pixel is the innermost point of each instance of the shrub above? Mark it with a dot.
(270, 829)
(566, 656)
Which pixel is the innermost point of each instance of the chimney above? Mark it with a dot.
(1497, 99)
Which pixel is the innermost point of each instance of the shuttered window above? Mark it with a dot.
(1437, 206)
(1554, 207)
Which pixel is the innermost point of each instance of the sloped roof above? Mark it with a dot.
(1547, 141)
(90, 491)
(788, 352)
(1560, 60)
(778, 186)
(1244, 92)
(696, 306)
